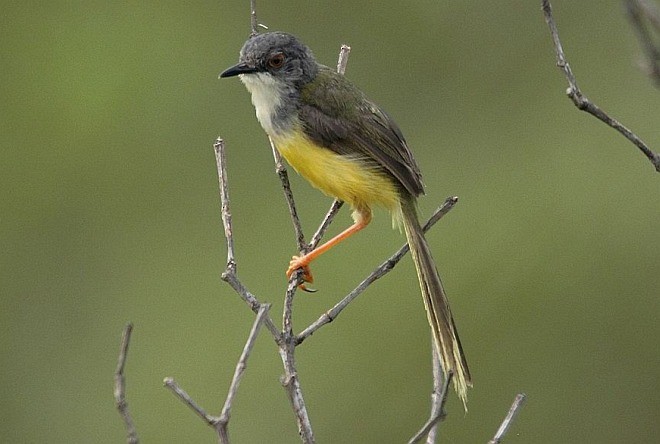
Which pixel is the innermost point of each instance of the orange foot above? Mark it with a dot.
(300, 262)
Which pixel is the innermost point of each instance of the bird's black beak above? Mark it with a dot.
(241, 68)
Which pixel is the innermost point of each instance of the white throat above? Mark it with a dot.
(267, 93)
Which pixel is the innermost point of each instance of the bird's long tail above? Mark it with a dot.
(438, 312)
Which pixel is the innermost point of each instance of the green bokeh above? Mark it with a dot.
(110, 213)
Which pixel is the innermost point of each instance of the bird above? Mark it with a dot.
(349, 148)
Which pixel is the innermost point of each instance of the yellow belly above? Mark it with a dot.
(341, 177)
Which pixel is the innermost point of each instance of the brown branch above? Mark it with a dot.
(511, 416)
(379, 272)
(120, 387)
(581, 101)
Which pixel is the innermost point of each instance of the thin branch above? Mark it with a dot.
(120, 387)
(581, 101)
(440, 397)
(222, 422)
(640, 13)
(379, 272)
(511, 416)
(229, 275)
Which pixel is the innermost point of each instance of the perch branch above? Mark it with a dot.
(518, 402)
(379, 272)
(120, 387)
(581, 101)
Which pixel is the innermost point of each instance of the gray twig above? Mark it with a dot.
(120, 387)
(518, 402)
(379, 272)
(581, 101)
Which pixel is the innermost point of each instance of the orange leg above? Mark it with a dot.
(362, 219)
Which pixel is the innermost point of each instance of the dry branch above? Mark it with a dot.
(581, 101)
(518, 402)
(120, 387)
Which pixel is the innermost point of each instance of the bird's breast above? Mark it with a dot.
(346, 178)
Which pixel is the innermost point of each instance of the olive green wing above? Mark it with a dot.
(336, 115)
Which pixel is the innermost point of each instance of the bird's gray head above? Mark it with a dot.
(274, 67)
(277, 54)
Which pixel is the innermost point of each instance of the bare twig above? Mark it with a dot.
(223, 421)
(645, 18)
(581, 101)
(120, 387)
(379, 272)
(229, 275)
(437, 412)
(518, 402)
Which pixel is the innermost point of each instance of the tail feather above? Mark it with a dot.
(438, 312)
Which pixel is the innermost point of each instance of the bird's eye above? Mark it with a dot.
(276, 61)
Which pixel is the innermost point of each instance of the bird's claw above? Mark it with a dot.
(299, 262)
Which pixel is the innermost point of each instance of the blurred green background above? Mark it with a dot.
(110, 213)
